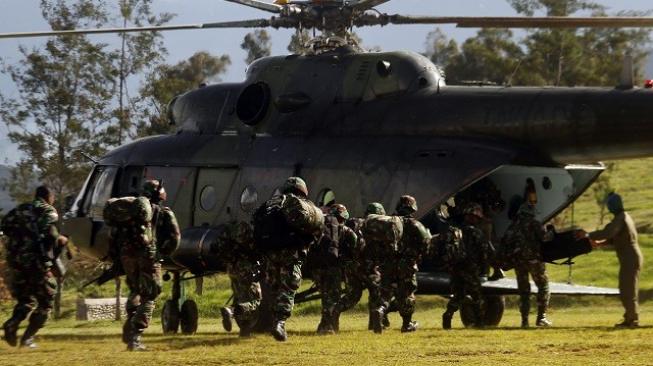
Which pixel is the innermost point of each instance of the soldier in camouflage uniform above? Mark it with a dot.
(403, 283)
(243, 267)
(466, 275)
(283, 269)
(522, 245)
(336, 241)
(33, 239)
(140, 248)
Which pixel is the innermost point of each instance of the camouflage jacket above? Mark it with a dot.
(166, 229)
(337, 243)
(523, 239)
(415, 240)
(477, 248)
(354, 251)
(32, 234)
(236, 245)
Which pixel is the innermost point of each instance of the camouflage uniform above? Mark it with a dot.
(466, 275)
(522, 245)
(352, 262)
(140, 246)
(30, 252)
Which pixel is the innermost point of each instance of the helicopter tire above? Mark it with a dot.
(493, 306)
(189, 316)
(170, 317)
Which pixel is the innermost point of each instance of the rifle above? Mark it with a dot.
(107, 275)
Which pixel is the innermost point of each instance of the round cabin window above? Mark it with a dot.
(249, 199)
(208, 198)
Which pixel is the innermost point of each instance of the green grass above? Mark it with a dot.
(580, 336)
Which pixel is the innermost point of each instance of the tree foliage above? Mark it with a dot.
(257, 44)
(168, 81)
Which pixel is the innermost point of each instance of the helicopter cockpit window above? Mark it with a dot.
(100, 190)
(249, 199)
(326, 197)
(208, 198)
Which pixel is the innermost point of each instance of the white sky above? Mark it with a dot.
(24, 15)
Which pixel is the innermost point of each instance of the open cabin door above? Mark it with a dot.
(213, 196)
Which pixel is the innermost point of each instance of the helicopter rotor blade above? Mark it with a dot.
(368, 4)
(254, 23)
(273, 8)
(517, 22)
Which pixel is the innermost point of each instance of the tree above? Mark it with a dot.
(64, 101)
(168, 81)
(257, 44)
(440, 49)
(298, 42)
(601, 188)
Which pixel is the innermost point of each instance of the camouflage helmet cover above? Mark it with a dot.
(526, 209)
(152, 189)
(339, 211)
(473, 209)
(406, 205)
(295, 184)
(374, 208)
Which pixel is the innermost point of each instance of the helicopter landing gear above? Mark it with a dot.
(493, 307)
(172, 316)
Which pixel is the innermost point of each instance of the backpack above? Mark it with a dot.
(19, 223)
(302, 215)
(415, 236)
(383, 232)
(449, 246)
(127, 210)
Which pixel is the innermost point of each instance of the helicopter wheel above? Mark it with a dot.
(170, 317)
(189, 316)
(493, 307)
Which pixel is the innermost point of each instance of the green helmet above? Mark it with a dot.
(152, 189)
(407, 205)
(295, 185)
(339, 211)
(474, 209)
(374, 208)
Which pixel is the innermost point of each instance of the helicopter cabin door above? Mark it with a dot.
(213, 196)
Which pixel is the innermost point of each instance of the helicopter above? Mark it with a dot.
(362, 127)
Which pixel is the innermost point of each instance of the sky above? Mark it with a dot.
(24, 15)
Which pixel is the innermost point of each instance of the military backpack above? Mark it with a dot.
(127, 210)
(20, 223)
(449, 246)
(274, 230)
(383, 233)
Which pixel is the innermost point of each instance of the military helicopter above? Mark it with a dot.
(362, 127)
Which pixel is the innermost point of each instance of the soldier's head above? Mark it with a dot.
(339, 212)
(374, 208)
(526, 209)
(614, 203)
(45, 193)
(153, 190)
(296, 186)
(406, 206)
(473, 213)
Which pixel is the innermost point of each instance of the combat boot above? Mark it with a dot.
(542, 321)
(11, 328)
(627, 324)
(325, 326)
(279, 331)
(135, 342)
(36, 322)
(227, 316)
(446, 320)
(408, 325)
(376, 317)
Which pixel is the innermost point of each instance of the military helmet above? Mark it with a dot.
(374, 208)
(295, 185)
(526, 209)
(339, 211)
(473, 209)
(152, 189)
(407, 205)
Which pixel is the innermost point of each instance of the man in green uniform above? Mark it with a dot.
(522, 244)
(466, 274)
(621, 233)
(140, 249)
(243, 267)
(33, 239)
(336, 240)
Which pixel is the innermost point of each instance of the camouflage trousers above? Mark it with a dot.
(143, 274)
(466, 289)
(355, 282)
(247, 292)
(537, 270)
(383, 284)
(34, 290)
(283, 276)
(329, 281)
(406, 287)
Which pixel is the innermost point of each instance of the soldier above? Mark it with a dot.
(140, 248)
(413, 245)
(522, 244)
(328, 272)
(356, 267)
(622, 234)
(283, 267)
(466, 274)
(243, 268)
(33, 238)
